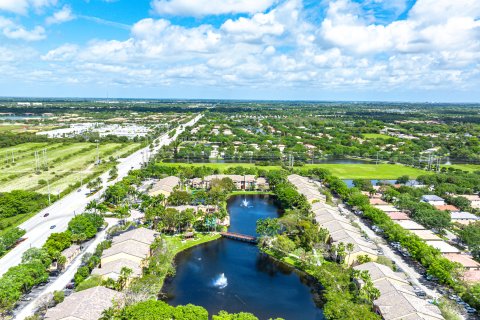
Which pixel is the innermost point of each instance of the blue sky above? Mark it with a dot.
(399, 50)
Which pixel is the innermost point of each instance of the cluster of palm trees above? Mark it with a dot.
(94, 185)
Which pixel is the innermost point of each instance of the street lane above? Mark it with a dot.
(38, 228)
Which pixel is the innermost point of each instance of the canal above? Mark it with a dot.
(235, 276)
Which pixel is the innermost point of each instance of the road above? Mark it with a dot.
(38, 227)
(411, 273)
(61, 282)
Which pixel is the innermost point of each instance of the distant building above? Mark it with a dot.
(433, 200)
(464, 217)
(473, 198)
(164, 186)
(446, 207)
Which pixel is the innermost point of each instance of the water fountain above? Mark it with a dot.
(221, 281)
(245, 203)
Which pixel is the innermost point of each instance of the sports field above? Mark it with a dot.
(67, 163)
(376, 136)
(343, 171)
(465, 167)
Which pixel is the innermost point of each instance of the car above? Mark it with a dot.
(470, 310)
(46, 215)
(53, 227)
(79, 190)
(70, 285)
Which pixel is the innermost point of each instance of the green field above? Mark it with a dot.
(376, 136)
(343, 171)
(369, 171)
(67, 164)
(465, 167)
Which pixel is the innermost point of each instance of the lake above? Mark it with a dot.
(235, 276)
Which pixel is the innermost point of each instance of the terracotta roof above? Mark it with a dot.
(398, 215)
(386, 208)
(377, 201)
(472, 275)
(465, 260)
(447, 207)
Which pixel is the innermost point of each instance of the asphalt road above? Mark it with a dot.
(38, 227)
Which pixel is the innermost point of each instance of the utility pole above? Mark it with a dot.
(48, 187)
(98, 154)
(13, 157)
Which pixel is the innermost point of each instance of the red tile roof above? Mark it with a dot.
(447, 207)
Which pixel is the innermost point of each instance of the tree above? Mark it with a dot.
(37, 255)
(58, 296)
(403, 179)
(179, 197)
(268, 227)
(283, 245)
(123, 278)
(86, 223)
(363, 184)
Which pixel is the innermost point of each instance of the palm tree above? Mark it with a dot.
(92, 205)
(350, 248)
(122, 281)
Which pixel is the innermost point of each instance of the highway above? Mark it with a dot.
(38, 227)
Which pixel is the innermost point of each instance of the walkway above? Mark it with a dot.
(239, 237)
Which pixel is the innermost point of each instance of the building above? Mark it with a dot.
(474, 200)
(386, 208)
(342, 231)
(447, 207)
(71, 253)
(246, 182)
(464, 217)
(443, 247)
(308, 189)
(164, 186)
(84, 305)
(377, 201)
(397, 298)
(426, 235)
(433, 200)
(465, 260)
(398, 215)
(409, 225)
(130, 249)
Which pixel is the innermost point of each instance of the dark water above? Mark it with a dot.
(234, 276)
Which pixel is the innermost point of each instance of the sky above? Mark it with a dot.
(376, 50)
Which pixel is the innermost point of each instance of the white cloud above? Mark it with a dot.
(63, 15)
(199, 8)
(281, 48)
(15, 31)
(65, 52)
(23, 6)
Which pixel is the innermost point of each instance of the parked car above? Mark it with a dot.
(70, 285)
(53, 226)
(46, 215)
(470, 310)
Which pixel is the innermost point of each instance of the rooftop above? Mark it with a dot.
(409, 225)
(142, 235)
(465, 260)
(84, 305)
(431, 197)
(443, 246)
(398, 215)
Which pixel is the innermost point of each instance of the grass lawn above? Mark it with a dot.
(465, 167)
(375, 136)
(369, 171)
(179, 245)
(343, 171)
(68, 164)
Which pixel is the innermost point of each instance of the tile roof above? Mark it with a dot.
(142, 235)
(463, 216)
(116, 267)
(84, 305)
(443, 246)
(447, 207)
(431, 197)
(426, 235)
(409, 225)
(465, 260)
(130, 247)
(398, 215)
